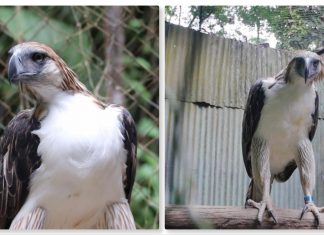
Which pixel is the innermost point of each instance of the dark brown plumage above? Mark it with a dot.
(18, 158)
(130, 144)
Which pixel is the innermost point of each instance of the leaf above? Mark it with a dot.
(143, 63)
(146, 127)
(135, 23)
(138, 87)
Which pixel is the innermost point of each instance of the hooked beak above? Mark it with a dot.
(306, 74)
(16, 70)
(302, 68)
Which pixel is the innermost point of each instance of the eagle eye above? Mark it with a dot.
(38, 57)
(315, 63)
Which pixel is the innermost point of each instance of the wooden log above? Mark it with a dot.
(230, 217)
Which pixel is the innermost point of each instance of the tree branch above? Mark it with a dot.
(230, 217)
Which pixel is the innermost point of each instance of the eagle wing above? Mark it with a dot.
(251, 119)
(130, 144)
(319, 51)
(315, 119)
(18, 159)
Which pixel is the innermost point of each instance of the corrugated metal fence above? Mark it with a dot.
(207, 83)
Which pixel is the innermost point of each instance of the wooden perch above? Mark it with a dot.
(230, 217)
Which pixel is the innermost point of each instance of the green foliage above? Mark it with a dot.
(199, 16)
(141, 77)
(134, 23)
(147, 127)
(79, 36)
(145, 201)
(170, 12)
(253, 16)
(295, 27)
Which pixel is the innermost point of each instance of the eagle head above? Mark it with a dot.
(305, 65)
(41, 70)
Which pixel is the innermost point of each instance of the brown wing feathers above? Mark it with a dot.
(18, 159)
(251, 119)
(130, 145)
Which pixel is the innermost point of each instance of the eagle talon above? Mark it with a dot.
(262, 206)
(271, 214)
(253, 204)
(311, 207)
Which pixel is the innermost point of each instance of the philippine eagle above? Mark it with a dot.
(279, 124)
(70, 161)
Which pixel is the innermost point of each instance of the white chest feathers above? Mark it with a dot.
(287, 111)
(83, 160)
(286, 120)
(79, 132)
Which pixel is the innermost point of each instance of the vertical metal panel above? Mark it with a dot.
(209, 168)
(207, 83)
(215, 70)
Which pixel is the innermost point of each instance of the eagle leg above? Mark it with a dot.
(306, 165)
(260, 187)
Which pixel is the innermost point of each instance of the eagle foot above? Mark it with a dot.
(311, 207)
(262, 206)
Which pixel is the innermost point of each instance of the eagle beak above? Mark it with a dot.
(14, 69)
(17, 70)
(306, 76)
(304, 69)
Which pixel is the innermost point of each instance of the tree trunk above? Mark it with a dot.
(258, 31)
(180, 11)
(230, 217)
(200, 17)
(114, 43)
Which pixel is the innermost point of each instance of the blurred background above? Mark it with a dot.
(114, 51)
(213, 55)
